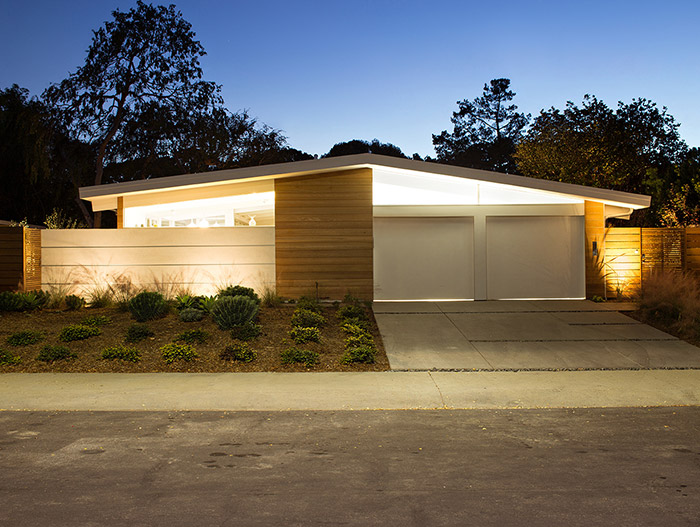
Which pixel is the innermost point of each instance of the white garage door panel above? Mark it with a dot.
(535, 257)
(423, 258)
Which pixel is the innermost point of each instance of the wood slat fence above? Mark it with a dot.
(20, 258)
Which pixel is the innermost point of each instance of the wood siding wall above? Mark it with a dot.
(20, 259)
(595, 233)
(199, 260)
(323, 235)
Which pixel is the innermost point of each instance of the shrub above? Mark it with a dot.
(207, 303)
(9, 301)
(137, 333)
(270, 298)
(32, 300)
(173, 352)
(24, 338)
(186, 302)
(148, 305)
(238, 352)
(352, 311)
(355, 329)
(298, 356)
(54, 353)
(301, 335)
(74, 302)
(230, 311)
(307, 319)
(122, 353)
(192, 336)
(363, 339)
(239, 290)
(672, 300)
(77, 332)
(247, 331)
(306, 302)
(363, 354)
(360, 323)
(95, 321)
(190, 314)
(99, 297)
(8, 358)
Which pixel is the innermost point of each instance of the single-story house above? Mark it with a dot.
(380, 227)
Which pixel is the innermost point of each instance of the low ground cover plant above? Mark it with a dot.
(95, 320)
(306, 318)
(7, 357)
(310, 304)
(25, 338)
(192, 336)
(301, 335)
(299, 356)
(55, 353)
(77, 332)
(352, 312)
(190, 314)
(148, 305)
(121, 352)
(239, 352)
(248, 331)
(359, 354)
(173, 352)
(137, 333)
(74, 302)
(230, 311)
(23, 301)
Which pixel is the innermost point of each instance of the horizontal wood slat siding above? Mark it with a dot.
(200, 260)
(692, 244)
(323, 234)
(20, 259)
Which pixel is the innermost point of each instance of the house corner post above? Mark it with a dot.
(120, 212)
(594, 213)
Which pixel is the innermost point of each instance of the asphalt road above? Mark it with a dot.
(478, 467)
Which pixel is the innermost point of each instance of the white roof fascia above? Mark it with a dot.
(308, 167)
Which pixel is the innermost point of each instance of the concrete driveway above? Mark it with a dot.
(524, 335)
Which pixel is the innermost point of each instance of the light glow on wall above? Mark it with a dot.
(229, 211)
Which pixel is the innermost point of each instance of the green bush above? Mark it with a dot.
(306, 318)
(239, 290)
(186, 302)
(137, 333)
(148, 305)
(8, 358)
(77, 332)
(360, 323)
(95, 321)
(352, 311)
(299, 356)
(306, 302)
(192, 336)
(25, 338)
(190, 314)
(207, 303)
(32, 300)
(122, 353)
(248, 331)
(238, 352)
(354, 329)
(9, 301)
(55, 353)
(362, 354)
(74, 302)
(301, 335)
(173, 352)
(230, 311)
(363, 339)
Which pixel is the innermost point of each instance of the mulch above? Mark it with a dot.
(275, 322)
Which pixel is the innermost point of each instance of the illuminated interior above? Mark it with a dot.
(416, 188)
(251, 210)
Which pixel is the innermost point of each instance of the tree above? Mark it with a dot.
(358, 146)
(486, 131)
(143, 62)
(635, 148)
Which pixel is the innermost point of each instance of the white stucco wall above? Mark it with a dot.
(198, 260)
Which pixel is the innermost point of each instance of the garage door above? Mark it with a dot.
(423, 258)
(535, 257)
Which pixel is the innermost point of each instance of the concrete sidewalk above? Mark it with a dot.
(348, 391)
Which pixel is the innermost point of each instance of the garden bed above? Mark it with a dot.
(275, 338)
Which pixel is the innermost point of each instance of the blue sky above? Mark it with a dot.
(332, 71)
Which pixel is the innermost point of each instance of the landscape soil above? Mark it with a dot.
(275, 322)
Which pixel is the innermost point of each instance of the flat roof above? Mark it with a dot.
(331, 164)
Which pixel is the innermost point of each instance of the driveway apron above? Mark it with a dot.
(524, 335)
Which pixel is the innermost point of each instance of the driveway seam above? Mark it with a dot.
(447, 316)
(442, 398)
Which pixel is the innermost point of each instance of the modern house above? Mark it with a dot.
(382, 228)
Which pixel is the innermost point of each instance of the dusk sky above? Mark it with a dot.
(332, 71)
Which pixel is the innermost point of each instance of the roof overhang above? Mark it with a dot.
(105, 196)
